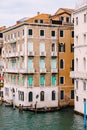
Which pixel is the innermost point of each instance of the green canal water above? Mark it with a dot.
(62, 120)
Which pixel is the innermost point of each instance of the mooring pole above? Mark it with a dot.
(84, 113)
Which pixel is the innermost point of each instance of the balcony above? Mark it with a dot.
(31, 70)
(77, 74)
(43, 70)
(54, 54)
(11, 70)
(31, 53)
(54, 70)
(21, 53)
(43, 53)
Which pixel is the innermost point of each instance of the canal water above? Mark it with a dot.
(62, 120)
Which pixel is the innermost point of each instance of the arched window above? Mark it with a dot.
(61, 47)
(53, 47)
(53, 95)
(61, 64)
(30, 97)
(42, 96)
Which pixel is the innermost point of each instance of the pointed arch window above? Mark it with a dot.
(30, 97)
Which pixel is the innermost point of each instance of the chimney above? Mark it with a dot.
(38, 13)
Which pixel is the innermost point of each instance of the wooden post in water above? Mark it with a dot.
(84, 113)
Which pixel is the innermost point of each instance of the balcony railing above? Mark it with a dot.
(21, 53)
(77, 74)
(54, 70)
(11, 70)
(54, 54)
(43, 53)
(43, 70)
(31, 70)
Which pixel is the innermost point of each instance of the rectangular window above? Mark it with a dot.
(76, 85)
(35, 21)
(72, 80)
(76, 39)
(53, 80)
(21, 95)
(85, 18)
(41, 32)
(30, 80)
(61, 18)
(72, 47)
(61, 33)
(84, 38)
(61, 80)
(72, 34)
(41, 20)
(72, 94)
(62, 94)
(42, 63)
(84, 86)
(42, 80)
(76, 20)
(7, 91)
(53, 33)
(23, 32)
(30, 63)
(18, 34)
(23, 80)
(53, 63)
(67, 19)
(77, 98)
(30, 32)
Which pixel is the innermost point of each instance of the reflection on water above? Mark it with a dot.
(63, 120)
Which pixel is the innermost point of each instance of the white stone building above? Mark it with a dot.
(80, 55)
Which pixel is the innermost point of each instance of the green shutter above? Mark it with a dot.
(30, 80)
(42, 80)
(53, 79)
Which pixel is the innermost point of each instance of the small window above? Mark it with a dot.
(61, 80)
(35, 21)
(42, 96)
(41, 32)
(53, 33)
(61, 18)
(72, 80)
(85, 18)
(77, 98)
(76, 20)
(61, 64)
(23, 32)
(67, 19)
(53, 95)
(72, 94)
(76, 85)
(84, 86)
(18, 34)
(53, 47)
(62, 94)
(72, 34)
(61, 33)
(30, 32)
(41, 20)
(72, 47)
(61, 47)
